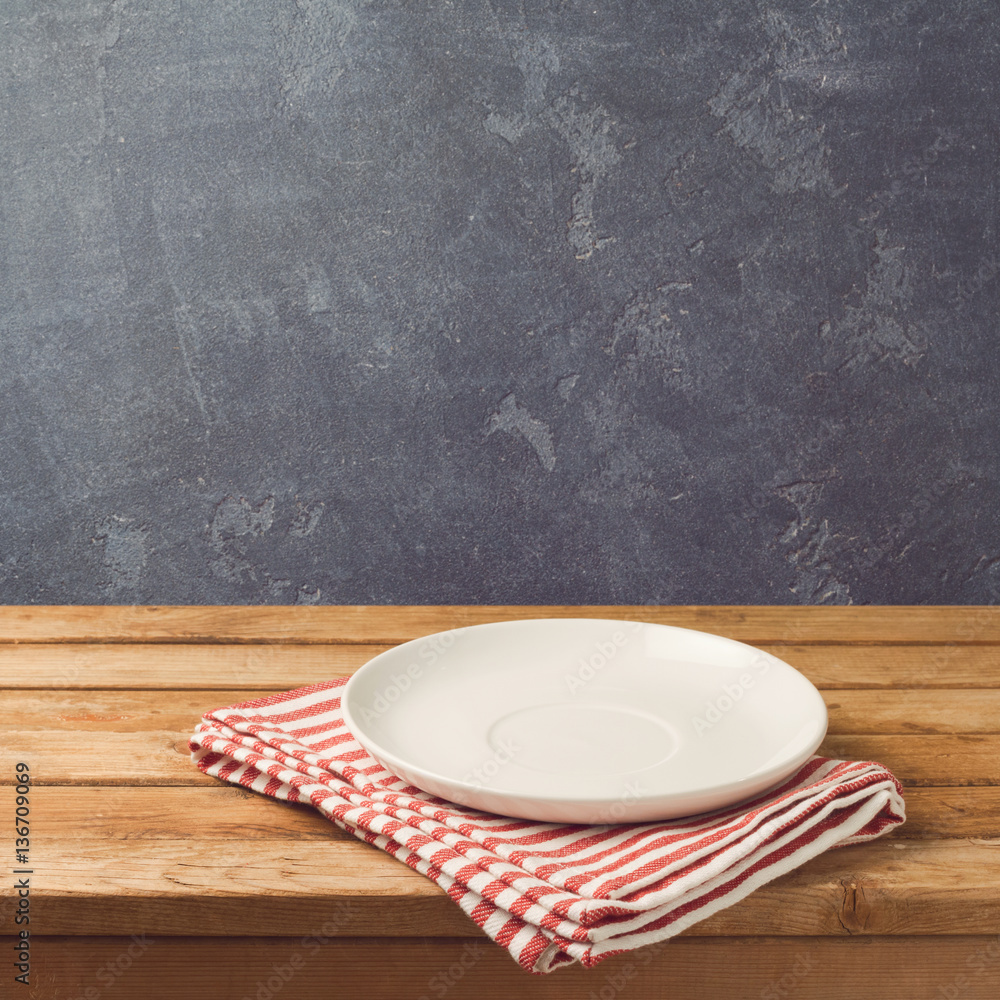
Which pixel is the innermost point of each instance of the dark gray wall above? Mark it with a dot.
(467, 302)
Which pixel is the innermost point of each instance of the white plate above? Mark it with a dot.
(585, 720)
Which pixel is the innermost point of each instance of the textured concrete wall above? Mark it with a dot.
(305, 301)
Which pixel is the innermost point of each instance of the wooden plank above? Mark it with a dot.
(71, 756)
(115, 711)
(807, 968)
(210, 813)
(878, 667)
(887, 886)
(177, 666)
(279, 667)
(951, 812)
(924, 760)
(379, 625)
(937, 711)
(223, 812)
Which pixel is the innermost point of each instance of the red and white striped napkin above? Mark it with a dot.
(549, 893)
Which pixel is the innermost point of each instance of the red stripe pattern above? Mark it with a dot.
(549, 893)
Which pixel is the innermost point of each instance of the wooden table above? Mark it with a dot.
(151, 880)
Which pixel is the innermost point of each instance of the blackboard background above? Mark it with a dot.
(375, 302)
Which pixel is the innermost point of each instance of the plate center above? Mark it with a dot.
(578, 739)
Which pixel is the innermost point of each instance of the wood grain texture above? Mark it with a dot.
(129, 837)
(935, 712)
(177, 666)
(889, 886)
(964, 759)
(894, 667)
(280, 666)
(318, 967)
(381, 625)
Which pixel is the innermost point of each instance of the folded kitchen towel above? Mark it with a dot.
(549, 893)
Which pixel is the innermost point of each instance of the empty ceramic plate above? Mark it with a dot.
(585, 720)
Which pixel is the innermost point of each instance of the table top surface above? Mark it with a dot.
(128, 836)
